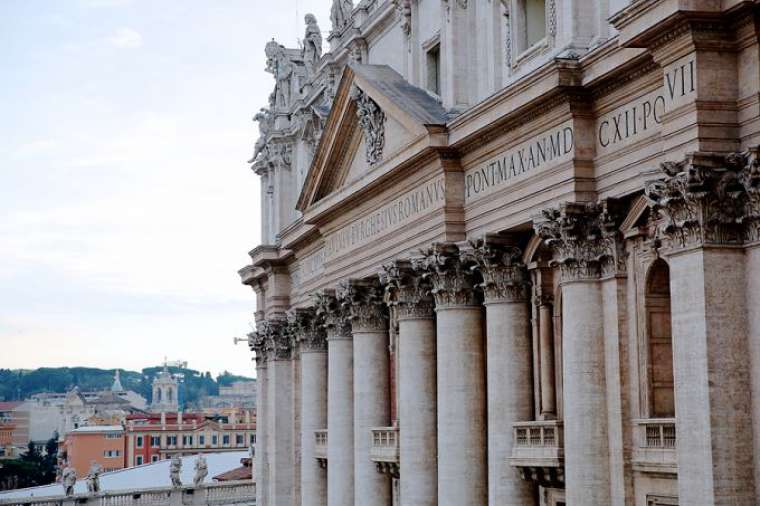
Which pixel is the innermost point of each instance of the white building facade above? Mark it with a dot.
(509, 256)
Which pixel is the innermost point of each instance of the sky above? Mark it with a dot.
(126, 204)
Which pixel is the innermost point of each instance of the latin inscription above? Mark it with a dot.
(547, 150)
(644, 115)
(312, 266)
(386, 219)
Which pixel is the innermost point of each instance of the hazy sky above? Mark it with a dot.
(126, 205)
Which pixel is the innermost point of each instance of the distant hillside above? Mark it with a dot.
(19, 384)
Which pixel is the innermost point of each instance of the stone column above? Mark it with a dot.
(416, 384)
(461, 385)
(546, 347)
(280, 413)
(369, 324)
(585, 243)
(340, 401)
(508, 365)
(700, 206)
(312, 345)
(256, 343)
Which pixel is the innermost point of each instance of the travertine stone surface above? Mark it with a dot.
(262, 435)
(752, 266)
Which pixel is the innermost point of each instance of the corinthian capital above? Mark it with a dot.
(406, 290)
(584, 238)
(701, 200)
(334, 314)
(365, 305)
(257, 344)
(307, 330)
(505, 278)
(276, 340)
(451, 278)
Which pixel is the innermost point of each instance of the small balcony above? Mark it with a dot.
(538, 451)
(384, 450)
(320, 447)
(655, 445)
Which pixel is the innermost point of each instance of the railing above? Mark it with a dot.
(384, 444)
(655, 445)
(216, 494)
(320, 444)
(537, 443)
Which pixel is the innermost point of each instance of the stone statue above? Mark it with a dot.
(68, 479)
(312, 43)
(93, 478)
(279, 65)
(201, 470)
(263, 118)
(340, 14)
(175, 467)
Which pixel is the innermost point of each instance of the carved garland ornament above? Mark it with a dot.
(452, 279)
(707, 198)
(584, 238)
(407, 292)
(505, 278)
(372, 124)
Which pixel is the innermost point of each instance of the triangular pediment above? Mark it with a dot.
(375, 115)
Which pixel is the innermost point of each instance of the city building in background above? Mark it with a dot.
(240, 394)
(103, 444)
(165, 391)
(510, 255)
(157, 436)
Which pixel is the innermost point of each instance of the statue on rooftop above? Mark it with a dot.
(280, 66)
(175, 467)
(340, 14)
(93, 478)
(312, 43)
(68, 479)
(201, 470)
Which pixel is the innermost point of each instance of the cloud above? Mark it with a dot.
(125, 38)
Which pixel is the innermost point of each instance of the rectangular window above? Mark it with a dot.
(531, 23)
(154, 458)
(214, 440)
(110, 454)
(253, 439)
(433, 68)
(139, 460)
(171, 440)
(139, 442)
(201, 440)
(155, 441)
(113, 435)
(226, 440)
(239, 440)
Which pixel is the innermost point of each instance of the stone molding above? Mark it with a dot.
(584, 238)
(505, 277)
(371, 123)
(307, 331)
(365, 305)
(451, 278)
(406, 292)
(334, 314)
(707, 199)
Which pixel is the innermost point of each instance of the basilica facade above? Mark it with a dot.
(510, 256)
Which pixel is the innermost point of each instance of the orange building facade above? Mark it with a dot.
(102, 444)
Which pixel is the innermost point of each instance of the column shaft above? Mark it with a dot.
(281, 467)
(371, 409)
(261, 470)
(313, 417)
(461, 407)
(546, 345)
(752, 269)
(340, 423)
(586, 443)
(417, 412)
(510, 397)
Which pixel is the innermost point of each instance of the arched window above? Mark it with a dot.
(158, 395)
(169, 395)
(659, 342)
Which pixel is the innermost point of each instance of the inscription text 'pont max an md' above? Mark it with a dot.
(387, 218)
(541, 152)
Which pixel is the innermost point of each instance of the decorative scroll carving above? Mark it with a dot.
(364, 302)
(404, 9)
(452, 280)
(749, 177)
(505, 278)
(407, 292)
(372, 123)
(704, 199)
(551, 17)
(337, 320)
(257, 344)
(584, 238)
(507, 33)
(307, 330)
(462, 4)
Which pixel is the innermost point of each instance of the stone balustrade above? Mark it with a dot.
(215, 494)
(384, 451)
(655, 445)
(538, 451)
(320, 446)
